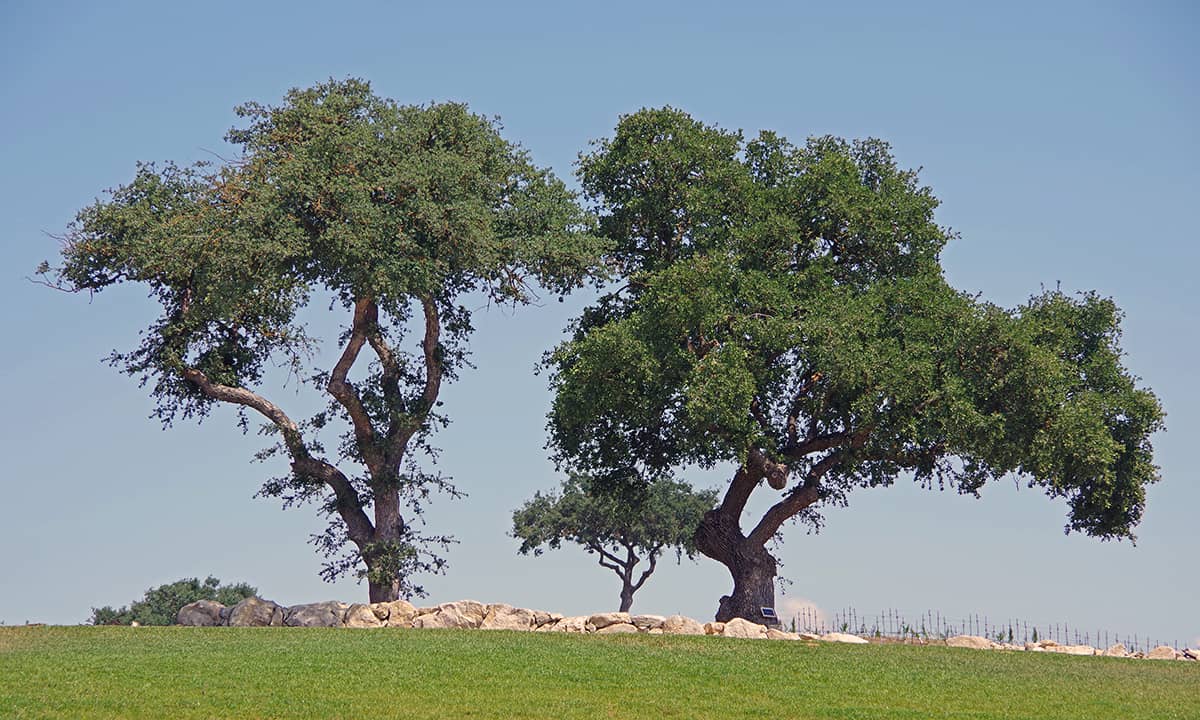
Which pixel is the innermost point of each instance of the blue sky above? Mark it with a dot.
(1061, 139)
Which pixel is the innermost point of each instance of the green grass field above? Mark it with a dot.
(121, 672)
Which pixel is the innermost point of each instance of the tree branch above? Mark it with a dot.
(653, 559)
(756, 467)
(614, 563)
(365, 315)
(804, 494)
(349, 504)
(798, 451)
(433, 361)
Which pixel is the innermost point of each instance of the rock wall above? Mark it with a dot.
(469, 614)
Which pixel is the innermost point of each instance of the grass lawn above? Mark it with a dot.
(121, 672)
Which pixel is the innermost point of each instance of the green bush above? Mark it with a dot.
(160, 605)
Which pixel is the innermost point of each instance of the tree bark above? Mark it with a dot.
(626, 596)
(751, 566)
(383, 592)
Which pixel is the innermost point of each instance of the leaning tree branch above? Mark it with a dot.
(349, 504)
(614, 563)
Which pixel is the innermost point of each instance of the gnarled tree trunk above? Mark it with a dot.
(752, 567)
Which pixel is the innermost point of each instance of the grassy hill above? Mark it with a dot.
(122, 672)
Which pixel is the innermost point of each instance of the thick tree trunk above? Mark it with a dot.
(383, 592)
(753, 568)
(388, 528)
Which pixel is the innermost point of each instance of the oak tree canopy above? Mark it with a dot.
(783, 310)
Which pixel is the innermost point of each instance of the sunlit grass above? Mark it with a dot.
(118, 672)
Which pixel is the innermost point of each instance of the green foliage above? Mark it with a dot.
(160, 605)
(647, 518)
(789, 300)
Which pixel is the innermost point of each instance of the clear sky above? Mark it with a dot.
(1061, 137)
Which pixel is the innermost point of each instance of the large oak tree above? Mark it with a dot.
(395, 215)
(784, 310)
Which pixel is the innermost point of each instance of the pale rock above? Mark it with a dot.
(714, 628)
(655, 631)
(682, 625)
(576, 624)
(809, 636)
(461, 614)
(617, 629)
(742, 628)
(1116, 650)
(506, 617)
(973, 642)
(400, 613)
(843, 638)
(773, 634)
(1073, 649)
(256, 612)
(541, 617)
(322, 614)
(603, 620)
(1162, 652)
(397, 613)
(202, 613)
(361, 616)
(1047, 644)
(647, 622)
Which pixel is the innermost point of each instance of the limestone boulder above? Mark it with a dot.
(461, 614)
(682, 625)
(256, 612)
(617, 629)
(1162, 652)
(397, 613)
(973, 642)
(809, 636)
(575, 624)
(506, 617)
(361, 616)
(1116, 650)
(202, 613)
(714, 628)
(603, 620)
(843, 638)
(741, 628)
(322, 614)
(1074, 649)
(773, 634)
(645, 623)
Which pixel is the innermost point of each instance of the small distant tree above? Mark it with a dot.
(621, 527)
(160, 605)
